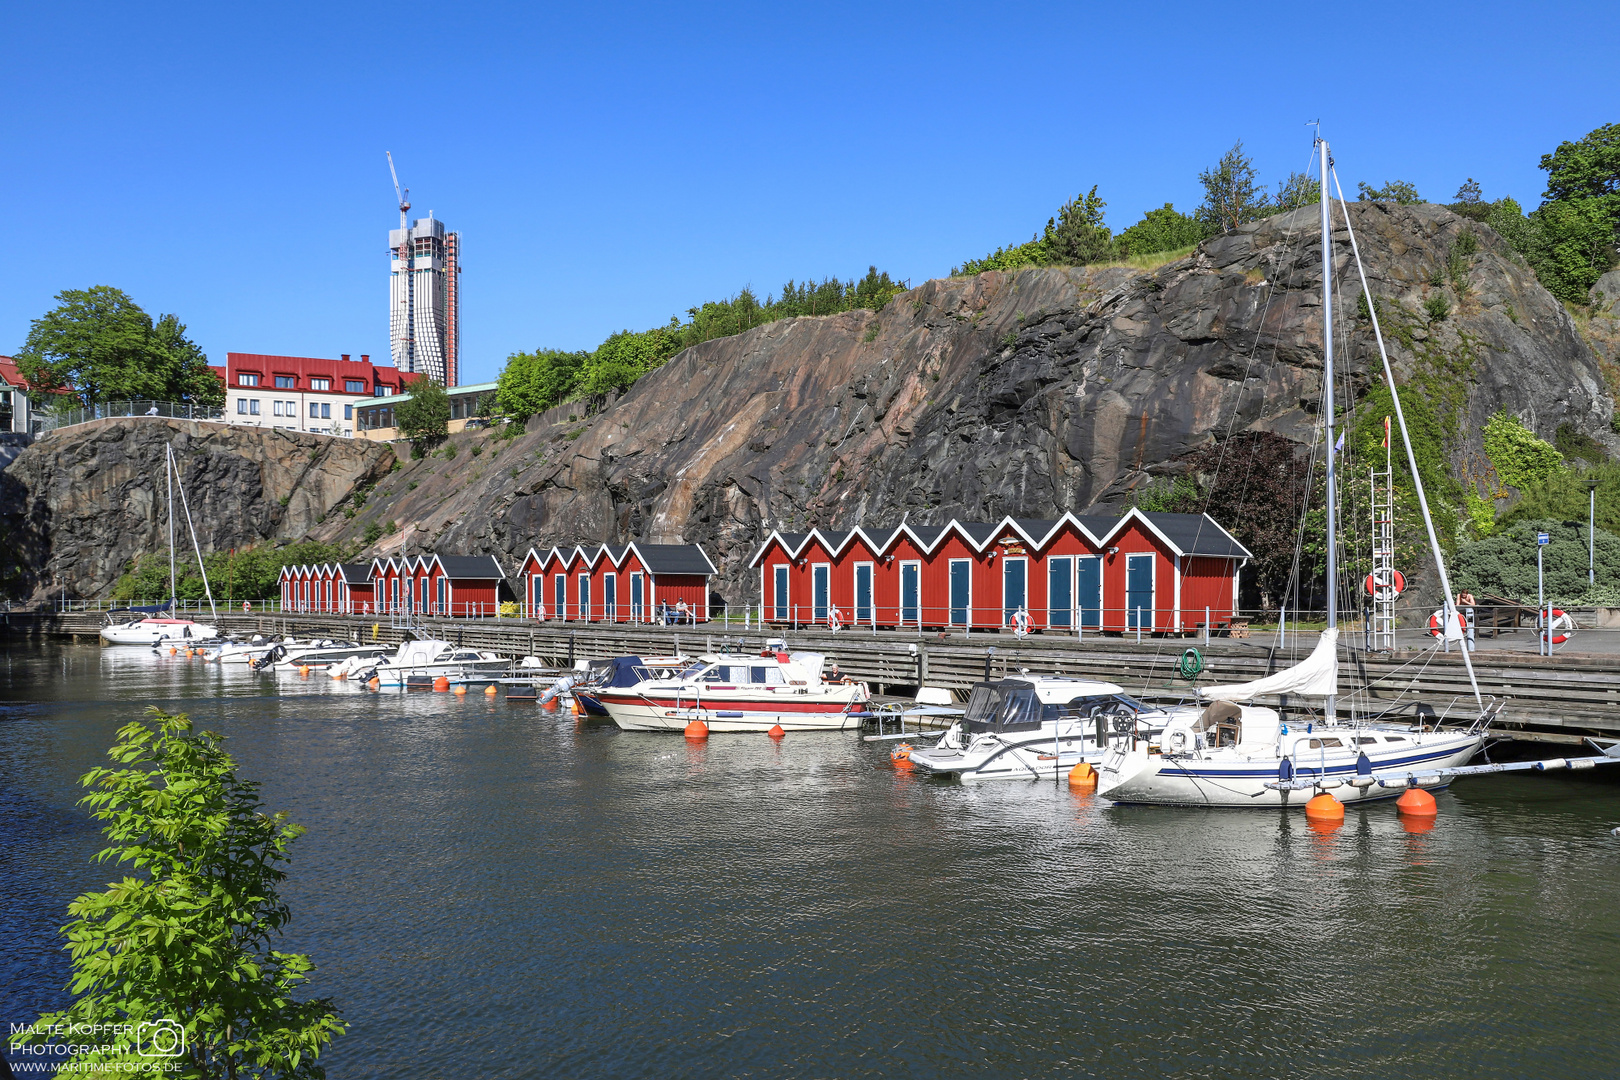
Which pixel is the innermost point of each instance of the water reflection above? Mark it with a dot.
(500, 883)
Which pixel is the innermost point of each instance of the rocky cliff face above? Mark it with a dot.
(79, 504)
(1028, 393)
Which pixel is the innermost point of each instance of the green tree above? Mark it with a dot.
(533, 382)
(1469, 193)
(1578, 245)
(1586, 169)
(187, 937)
(249, 574)
(1396, 191)
(99, 344)
(424, 416)
(1298, 190)
(626, 357)
(1232, 194)
(1078, 237)
(1164, 229)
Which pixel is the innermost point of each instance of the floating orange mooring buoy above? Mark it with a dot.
(1324, 808)
(900, 756)
(441, 684)
(697, 729)
(489, 691)
(459, 689)
(303, 670)
(1417, 803)
(173, 650)
(1083, 777)
(776, 731)
(374, 683)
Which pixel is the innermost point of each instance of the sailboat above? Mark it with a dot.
(156, 629)
(1237, 754)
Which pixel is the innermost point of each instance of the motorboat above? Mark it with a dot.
(240, 652)
(740, 693)
(615, 672)
(427, 659)
(1034, 727)
(318, 655)
(158, 631)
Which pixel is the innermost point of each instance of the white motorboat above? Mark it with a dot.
(428, 659)
(739, 693)
(240, 652)
(158, 631)
(1035, 727)
(317, 655)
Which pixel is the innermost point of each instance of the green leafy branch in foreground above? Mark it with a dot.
(186, 940)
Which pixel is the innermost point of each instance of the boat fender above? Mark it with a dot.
(1551, 763)
(1363, 764)
(1285, 769)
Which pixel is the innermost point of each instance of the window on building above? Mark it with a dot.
(245, 379)
(320, 384)
(326, 410)
(384, 391)
(354, 386)
(286, 382)
(241, 405)
(253, 407)
(348, 412)
(314, 411)
(277, 408)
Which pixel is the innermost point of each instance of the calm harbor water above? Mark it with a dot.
(490, 890)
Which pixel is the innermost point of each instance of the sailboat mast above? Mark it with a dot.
(1330, 706)
(168, 474)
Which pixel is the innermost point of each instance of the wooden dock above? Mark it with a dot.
(1563, 697)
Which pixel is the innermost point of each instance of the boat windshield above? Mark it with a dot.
(1014, 706)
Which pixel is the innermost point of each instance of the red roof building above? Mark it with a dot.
(303, 393)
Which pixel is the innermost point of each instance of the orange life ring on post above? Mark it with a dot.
(1022, 622)
(1438, 617)
(1386, 585)
(1562, 627)
(835, 619)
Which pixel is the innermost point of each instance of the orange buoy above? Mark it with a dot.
(460, 689)
(900, 756)
(374, 683)
(549, 706)
(1083, 776)
(697, 729)
(1324, 808)
(776, 731)
(441, 684)
(303, 669)
(1416, 825)
(579, 710)
(489, 691)
(173, 650)
(1417, 803)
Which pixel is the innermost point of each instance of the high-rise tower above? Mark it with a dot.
(424, 321)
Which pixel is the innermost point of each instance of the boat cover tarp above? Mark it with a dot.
(1315, 676)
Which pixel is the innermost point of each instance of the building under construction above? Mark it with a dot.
(424, 323)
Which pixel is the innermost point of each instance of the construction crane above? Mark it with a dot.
(405, 357)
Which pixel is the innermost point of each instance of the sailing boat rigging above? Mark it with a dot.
(158, 627)
(1235, 754)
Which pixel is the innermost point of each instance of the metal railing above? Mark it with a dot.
(102, 410)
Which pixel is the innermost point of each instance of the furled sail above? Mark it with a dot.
(1315, 676)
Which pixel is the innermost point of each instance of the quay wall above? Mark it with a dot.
(1559, 698)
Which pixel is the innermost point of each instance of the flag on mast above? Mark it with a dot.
(1385, 443)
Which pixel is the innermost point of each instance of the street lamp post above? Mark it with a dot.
(1591, 532)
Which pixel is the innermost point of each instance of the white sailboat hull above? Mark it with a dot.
(156, 631)
(1221, 779)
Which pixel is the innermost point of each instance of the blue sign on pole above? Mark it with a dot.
(1543, 538)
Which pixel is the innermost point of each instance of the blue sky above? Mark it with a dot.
(612, 166)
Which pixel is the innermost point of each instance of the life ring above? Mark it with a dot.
(247, 605)
(1438, 618)
(1022, 622)
(1386, 584)
(835, 620)
(1563, 626)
